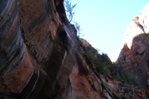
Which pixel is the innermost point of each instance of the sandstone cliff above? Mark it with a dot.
(134, 56)
(42, 58)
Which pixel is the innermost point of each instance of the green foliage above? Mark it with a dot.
(129, 78)
(101, 62)
(103, 65)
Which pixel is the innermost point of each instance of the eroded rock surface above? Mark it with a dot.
(42, 58)
(134, 56)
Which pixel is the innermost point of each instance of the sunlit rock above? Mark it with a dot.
(136, 59)
(42, 58)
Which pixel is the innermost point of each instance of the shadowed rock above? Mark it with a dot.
(42, 58)
(135, 59)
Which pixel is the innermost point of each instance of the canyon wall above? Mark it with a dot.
(42, 58)
(134, 56)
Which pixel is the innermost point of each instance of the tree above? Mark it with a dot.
(69, 8)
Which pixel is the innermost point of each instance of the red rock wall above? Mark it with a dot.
(135, 60)
(41, 57)
(39, 51)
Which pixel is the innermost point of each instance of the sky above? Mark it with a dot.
(104, 22)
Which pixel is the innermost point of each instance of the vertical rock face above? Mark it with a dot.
(41, 57)
(134, 56)
(15, 63)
